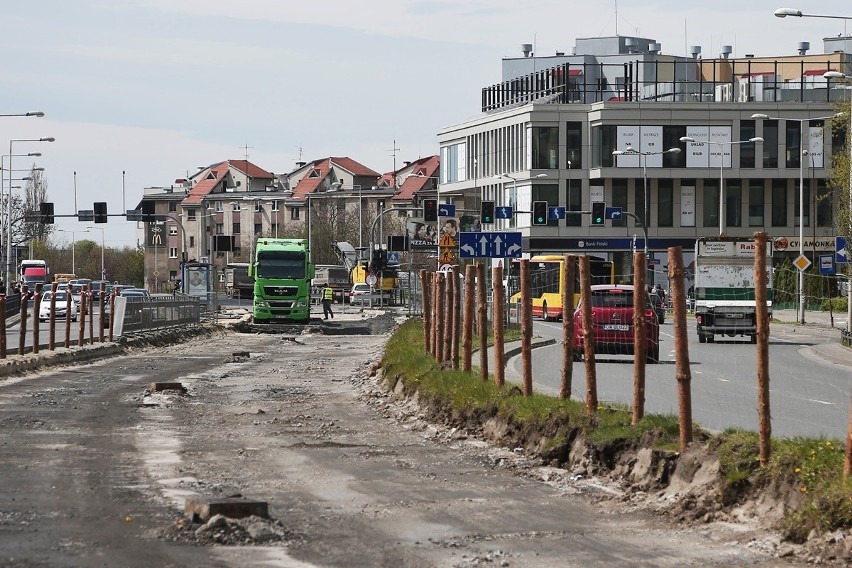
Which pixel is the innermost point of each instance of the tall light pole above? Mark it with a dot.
(9, 203)
(800, 310)
(101, 229)
(73, 247)
(838, 75)
(515, 181)
(643, 156)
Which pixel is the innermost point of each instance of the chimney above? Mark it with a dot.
(655, 47)
(527, 49)
(726, 51)
(695, 50)
(803, 47)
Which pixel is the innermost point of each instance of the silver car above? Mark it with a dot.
(61, 306)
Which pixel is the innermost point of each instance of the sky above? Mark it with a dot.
(139, 93)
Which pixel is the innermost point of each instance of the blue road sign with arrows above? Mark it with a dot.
(613, 213)
(489, 245)
(446, 210)
(503, 213)
(841, 255)
(554, 213)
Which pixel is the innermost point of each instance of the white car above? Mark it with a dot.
(61, 306)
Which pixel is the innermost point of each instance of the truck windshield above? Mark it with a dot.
(281, 264)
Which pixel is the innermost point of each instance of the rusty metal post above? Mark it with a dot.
(456, 304)
(467, 325)
(3, 326)
(640, 332)
(683, 375)
(526, 328)
(22, 336)
(36, 321)
(567, 325)
(51, 340)
(425, 288)
(498, 304)
(761, 315)
(482, 306)
(440, 315)
(68, 304)
(81, 340)
(435, 302)
(588, 336)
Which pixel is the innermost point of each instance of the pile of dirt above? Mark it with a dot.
(249, 531)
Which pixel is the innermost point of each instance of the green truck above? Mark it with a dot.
(282, 276)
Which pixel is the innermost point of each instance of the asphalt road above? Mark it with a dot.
(808, 396)
(95, 472)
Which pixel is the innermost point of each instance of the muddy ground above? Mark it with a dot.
(97, 470)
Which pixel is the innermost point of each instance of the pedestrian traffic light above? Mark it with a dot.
(100, 212)
(378, 261)
(598, 213)
(539, 213)
(45, 209)
(430, 210)
(486, 213)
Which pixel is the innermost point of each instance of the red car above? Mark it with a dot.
(612, 323)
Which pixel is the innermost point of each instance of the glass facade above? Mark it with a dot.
(755, 203)
(710, 195)
(665, 203)
(619, 199)
(545, 148)
(770, 143)
(574, 202)
(574, 145)
(748, 130)
(779, 203)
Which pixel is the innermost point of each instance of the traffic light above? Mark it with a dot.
(378, 260)
(100, 212)
(598, 213)
(45, 209)
(539, 213)
(430, 210)
(486, 213)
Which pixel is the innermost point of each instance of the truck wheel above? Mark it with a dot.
(702, 338)
(711, 338)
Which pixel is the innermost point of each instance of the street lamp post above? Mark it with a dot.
(73, 247)
(643, 156)
(800, 310)
(9, 202)
(515, 182)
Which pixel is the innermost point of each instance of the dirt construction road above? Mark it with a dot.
(95, 472)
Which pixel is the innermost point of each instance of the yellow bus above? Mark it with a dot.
(546, 282)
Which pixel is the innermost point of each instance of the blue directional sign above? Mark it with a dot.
(554, 213)
(613, 213)
(489, 245)
(503, 213)
(446, 210)
(841, 255)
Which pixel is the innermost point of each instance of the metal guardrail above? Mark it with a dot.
(845, 338)
(13, 305)
(159, 312)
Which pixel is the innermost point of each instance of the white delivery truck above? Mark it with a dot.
(724, 287)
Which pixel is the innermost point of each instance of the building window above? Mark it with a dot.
(748, 131)
(220, 229)
(258, 206)
(733, 203)
(755, 203)
(294, 213)
(574, 144)
(274, 205)
(545, 147)
(191, 241)
(218, 207)
(671, 139)
(574, 202)
(236, 206)
(172, 252)
(806, 210)
(779, 203)
(236, 229)
(172, 206)
(665, 203)
(770, 143)
(258, 228)
(603, 143)
(190, 214)
(824, 209)
(453, 162)
(172, 230)
(619, 199)
(639, 186)
(793, 144)
(710, 215)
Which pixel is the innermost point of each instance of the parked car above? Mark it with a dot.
(99, 286)
(135, 293)
(61, 306)
(612, 323)
(659, 307)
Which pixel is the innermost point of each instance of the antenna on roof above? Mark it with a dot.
(246, 148)
(393, 152)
